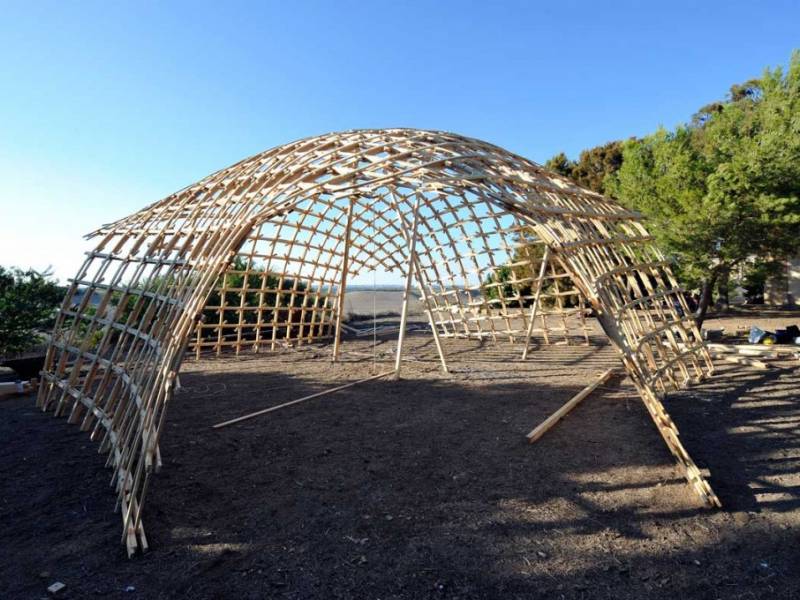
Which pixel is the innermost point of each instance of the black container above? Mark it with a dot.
(26, 368)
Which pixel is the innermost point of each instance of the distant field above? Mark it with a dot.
(359, 302)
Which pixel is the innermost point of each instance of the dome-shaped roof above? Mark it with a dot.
(366, 159)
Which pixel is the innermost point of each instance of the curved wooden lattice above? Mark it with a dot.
(259, 253)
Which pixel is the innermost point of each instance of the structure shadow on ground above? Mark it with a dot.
(421, 488)
(746, 423)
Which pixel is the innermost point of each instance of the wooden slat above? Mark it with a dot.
(562, 412)
(258, 413)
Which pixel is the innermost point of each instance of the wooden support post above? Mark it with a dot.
(535, 307)
(343, 283)
(412, 243)
(572, 403)
(428, 310)
(420, 283)
(303, 399)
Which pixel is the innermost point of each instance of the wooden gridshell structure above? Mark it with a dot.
(258, 255)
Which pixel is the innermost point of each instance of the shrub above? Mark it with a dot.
(28, 301)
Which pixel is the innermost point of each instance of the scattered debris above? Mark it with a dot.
(360, 541)
(55, 588)
(754, 353)
(789, 335)
(757, 335)
(17, 387)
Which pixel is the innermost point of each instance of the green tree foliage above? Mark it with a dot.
(560, 164)
(597, 163)
(518, 278)
(501, 286)
(134, 311)
(28, 300)
(592, 166)
(287, 294)
(726, 187)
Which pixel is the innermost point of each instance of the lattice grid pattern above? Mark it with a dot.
(259, 253)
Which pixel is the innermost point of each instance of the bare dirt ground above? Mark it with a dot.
(419, 488)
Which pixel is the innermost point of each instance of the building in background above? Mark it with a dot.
(784, 289)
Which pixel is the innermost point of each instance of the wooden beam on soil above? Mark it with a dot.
(16, 387)
(303, 399)
(754, 349)
(741, 360)
(550, 421)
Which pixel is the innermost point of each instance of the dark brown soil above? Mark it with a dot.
(420, 488)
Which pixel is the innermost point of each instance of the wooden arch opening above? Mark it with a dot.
(259, 254)
(475, 264)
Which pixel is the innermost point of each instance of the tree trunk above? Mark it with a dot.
(705, 298)
(722, 289)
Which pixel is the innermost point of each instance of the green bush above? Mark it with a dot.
(500, 285)
(232, 279)
(28, 302)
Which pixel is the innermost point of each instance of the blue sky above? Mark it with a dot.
(108, 106)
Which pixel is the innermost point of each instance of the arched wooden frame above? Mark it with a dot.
(444, 209)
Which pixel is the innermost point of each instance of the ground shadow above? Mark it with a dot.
(424, 487)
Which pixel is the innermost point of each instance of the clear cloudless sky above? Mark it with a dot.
(108, 106)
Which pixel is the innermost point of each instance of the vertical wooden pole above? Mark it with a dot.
(412, 259)
(428, 310)
(343, 282)
(535, 307)
(425, 299)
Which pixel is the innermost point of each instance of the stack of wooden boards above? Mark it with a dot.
(752, 355)
(16, 387)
